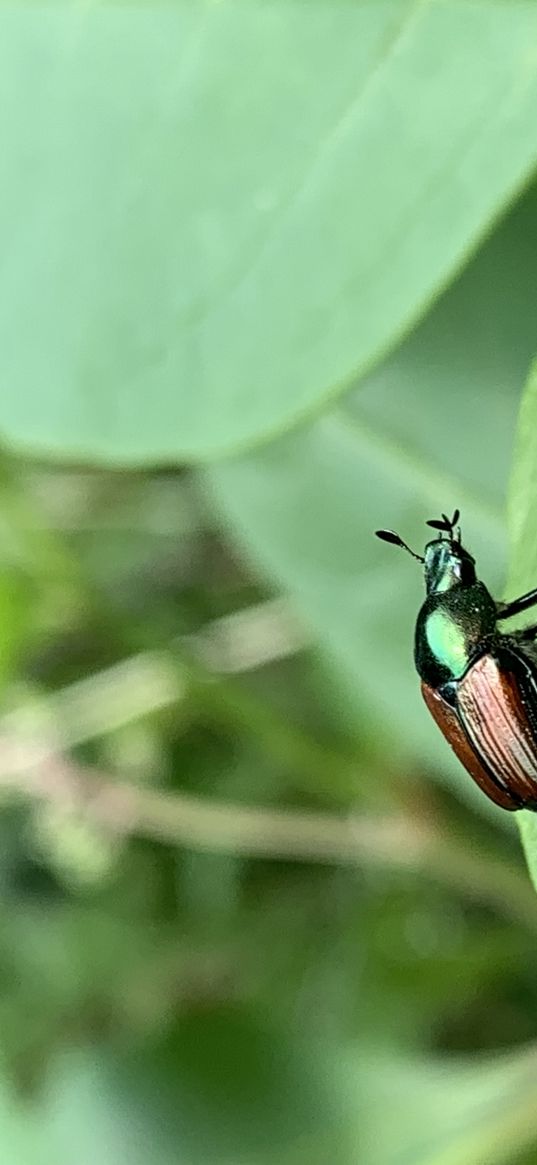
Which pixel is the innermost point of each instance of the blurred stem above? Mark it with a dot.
(394, 842)
(34, 766)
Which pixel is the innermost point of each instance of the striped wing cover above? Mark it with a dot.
(491, 727)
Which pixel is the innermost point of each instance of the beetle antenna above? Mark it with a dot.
(453, 523)
(391, 536)
(442, 524)
(446, 525)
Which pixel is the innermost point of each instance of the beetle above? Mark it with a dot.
(478, 682)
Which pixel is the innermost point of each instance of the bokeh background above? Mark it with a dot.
(268, 282)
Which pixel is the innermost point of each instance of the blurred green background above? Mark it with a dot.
(268, 281)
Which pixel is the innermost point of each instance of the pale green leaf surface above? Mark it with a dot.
(523, 530)
(21, 1134)
(412, 443)
(468, 358)
(215, 214)
(449, 1113)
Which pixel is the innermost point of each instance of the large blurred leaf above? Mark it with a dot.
(214, 214)
(523, 526)
(412, 443)
(523, 494)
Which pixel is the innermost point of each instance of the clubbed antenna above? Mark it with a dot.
(391, 536)
(446, 525)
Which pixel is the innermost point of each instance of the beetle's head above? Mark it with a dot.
(446, 563)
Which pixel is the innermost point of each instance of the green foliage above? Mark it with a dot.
(522, 504)
(224, 212)
(252, 911)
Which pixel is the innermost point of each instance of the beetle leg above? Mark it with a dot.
(506, 610)
(526, 634)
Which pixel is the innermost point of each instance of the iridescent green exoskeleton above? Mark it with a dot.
(479, 683)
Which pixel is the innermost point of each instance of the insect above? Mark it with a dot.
(479, 683)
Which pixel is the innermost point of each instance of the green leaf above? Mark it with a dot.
(20, 1130)
(214, 215)
(226, 1092)
(523, 568)
(222, 1089)
(408, 445)
(447, 1112)
(523, 494)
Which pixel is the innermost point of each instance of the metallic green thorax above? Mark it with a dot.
(457, 617)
